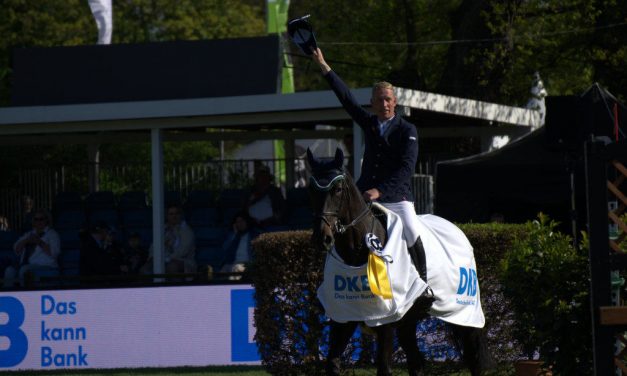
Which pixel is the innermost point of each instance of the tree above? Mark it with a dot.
(480, 49)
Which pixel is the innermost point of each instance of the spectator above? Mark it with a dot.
(38, 249)
(9, 259)
(265, 204)
(4, 223)
(134, 255)
(26, 206)
(179, 242)
(97, 253)
(237, 249)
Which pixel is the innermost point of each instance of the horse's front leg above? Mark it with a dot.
(385, 348)
(339, 336)
(406, 333)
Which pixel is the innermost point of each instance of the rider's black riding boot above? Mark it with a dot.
(418, 257)
(417, 254)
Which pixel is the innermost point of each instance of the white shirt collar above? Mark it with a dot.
(383, 125)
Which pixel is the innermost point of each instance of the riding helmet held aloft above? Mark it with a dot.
(302, 34)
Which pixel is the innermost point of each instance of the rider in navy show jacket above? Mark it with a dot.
(389, 159)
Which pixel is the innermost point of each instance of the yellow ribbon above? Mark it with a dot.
(378, 277)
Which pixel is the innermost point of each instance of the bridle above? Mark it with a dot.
(337, 227)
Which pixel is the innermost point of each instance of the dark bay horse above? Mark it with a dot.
(342, 219)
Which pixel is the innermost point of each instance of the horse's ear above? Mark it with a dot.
(313, 162)
(339, 158)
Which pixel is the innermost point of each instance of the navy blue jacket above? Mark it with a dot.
(389, 160)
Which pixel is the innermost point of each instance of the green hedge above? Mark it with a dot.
(287, 271)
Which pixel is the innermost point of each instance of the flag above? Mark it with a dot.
(102, 11)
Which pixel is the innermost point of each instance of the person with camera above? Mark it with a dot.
(37, 249)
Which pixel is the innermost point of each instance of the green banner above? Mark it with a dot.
(277, 24)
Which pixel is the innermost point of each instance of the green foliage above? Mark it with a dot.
(286, 273)
(485, 50)
(546, 280)
(162, 20)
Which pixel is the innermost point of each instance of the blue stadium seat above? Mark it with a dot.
(231, 198)
(7, 257)
(199, 198)
(209, 236)
(300, 218)
(71, 218)
(297, 197)
(109, 216)
(202, 216)
(69, 237)
(210, 255)
(7, 239)
(69, 260)
(100, 200)
(133, 200)
(227, 215)
(136, 217)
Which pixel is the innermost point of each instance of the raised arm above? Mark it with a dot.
(342, 92)
(319, 59)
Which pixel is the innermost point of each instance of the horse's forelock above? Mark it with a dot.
(319, 166)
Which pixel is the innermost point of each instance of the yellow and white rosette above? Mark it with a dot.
(378, 278)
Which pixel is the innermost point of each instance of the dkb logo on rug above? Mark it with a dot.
(467, 282)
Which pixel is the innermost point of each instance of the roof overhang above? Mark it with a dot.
(224, 112)
(468, 107)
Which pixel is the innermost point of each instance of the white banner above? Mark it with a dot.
(127, 328)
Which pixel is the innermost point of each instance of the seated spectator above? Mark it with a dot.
(37, 249)
(133, 255)
(237, 249)
(179, 244)
(98, 253)
(265, 204)
(4, 223)
(26, 207)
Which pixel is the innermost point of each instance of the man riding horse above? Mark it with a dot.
(389, 157)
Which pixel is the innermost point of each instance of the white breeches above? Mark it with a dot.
(407, 212)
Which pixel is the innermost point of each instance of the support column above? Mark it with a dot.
(289, 163)
(93, 167)
(158, 217)
(358, 150)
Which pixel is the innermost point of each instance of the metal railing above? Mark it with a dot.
(43, 184)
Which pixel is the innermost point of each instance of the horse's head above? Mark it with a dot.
(328, 190)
